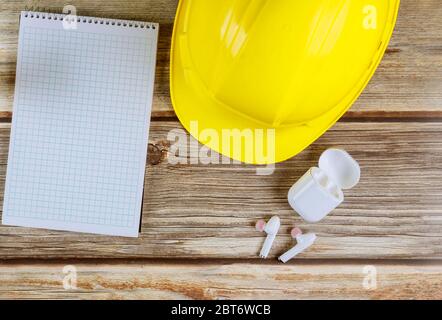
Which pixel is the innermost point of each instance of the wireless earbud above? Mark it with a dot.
(271, 228)
(303, 242)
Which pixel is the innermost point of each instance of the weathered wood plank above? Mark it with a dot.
(408, 82)
(221, 281)
(209, 211)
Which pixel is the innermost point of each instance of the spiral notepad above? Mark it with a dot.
(80, 124)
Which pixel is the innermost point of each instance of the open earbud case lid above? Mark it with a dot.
(340, 167)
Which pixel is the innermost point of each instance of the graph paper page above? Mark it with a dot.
(80, 125)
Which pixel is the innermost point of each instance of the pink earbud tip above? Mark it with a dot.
(260, 225)
(295, 232)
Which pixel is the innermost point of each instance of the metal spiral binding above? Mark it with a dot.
(91, 20)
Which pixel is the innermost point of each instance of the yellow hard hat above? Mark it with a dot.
(291, 66)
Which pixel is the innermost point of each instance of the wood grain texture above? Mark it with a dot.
(157, 280)
(208, 211)
(407, 83)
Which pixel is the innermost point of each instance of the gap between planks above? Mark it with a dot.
(349, 116)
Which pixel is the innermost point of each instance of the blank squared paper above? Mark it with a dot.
(80, 124)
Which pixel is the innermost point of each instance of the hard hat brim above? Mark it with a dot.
(199, 112)
(194, 103)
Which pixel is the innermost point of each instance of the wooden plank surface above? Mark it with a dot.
(158, 280)
(408, 82)
(208, 211)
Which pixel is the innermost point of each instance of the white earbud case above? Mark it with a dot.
(319, 190)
